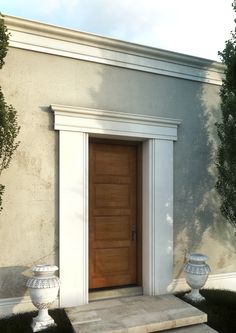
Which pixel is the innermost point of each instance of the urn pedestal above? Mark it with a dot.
(43, 289)
(196, 274)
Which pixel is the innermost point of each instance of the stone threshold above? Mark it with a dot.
(115, 293)
(138, 314)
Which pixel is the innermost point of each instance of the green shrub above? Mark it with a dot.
(226, 129)
(9, 128)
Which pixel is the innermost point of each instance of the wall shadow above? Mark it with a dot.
(197, 214)
(198, 224)
(13, 284)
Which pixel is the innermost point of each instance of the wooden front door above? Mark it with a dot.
(112, 214)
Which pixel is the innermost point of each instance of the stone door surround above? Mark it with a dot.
(75, 125)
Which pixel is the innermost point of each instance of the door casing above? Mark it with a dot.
(75, 126)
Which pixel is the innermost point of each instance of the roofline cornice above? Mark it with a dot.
(82, 45)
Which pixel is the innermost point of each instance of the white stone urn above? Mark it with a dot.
(196, 274)
(43, 289)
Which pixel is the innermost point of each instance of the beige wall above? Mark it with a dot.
(29, 222)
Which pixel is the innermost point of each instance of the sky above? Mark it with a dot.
(195, 27)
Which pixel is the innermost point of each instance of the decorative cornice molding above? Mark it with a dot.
(40, 37)
(95, 121)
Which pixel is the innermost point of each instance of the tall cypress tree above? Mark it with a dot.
(226, 129)
(9, 128)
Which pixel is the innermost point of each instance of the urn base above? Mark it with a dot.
(194, 296)
(39, 324)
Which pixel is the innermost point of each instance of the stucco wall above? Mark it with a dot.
(32, 81)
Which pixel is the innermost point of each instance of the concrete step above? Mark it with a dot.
(138, 314)
(202, 328)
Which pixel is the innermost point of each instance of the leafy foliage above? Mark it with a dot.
(4, 37)
(9, 128)
(226, 129)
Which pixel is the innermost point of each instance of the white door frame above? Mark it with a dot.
(75, 125)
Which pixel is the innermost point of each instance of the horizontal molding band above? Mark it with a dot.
(45, 38)
(216, 281)
(13, 305)
(14, 300)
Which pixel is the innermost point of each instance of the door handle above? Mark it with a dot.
(133, 232)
